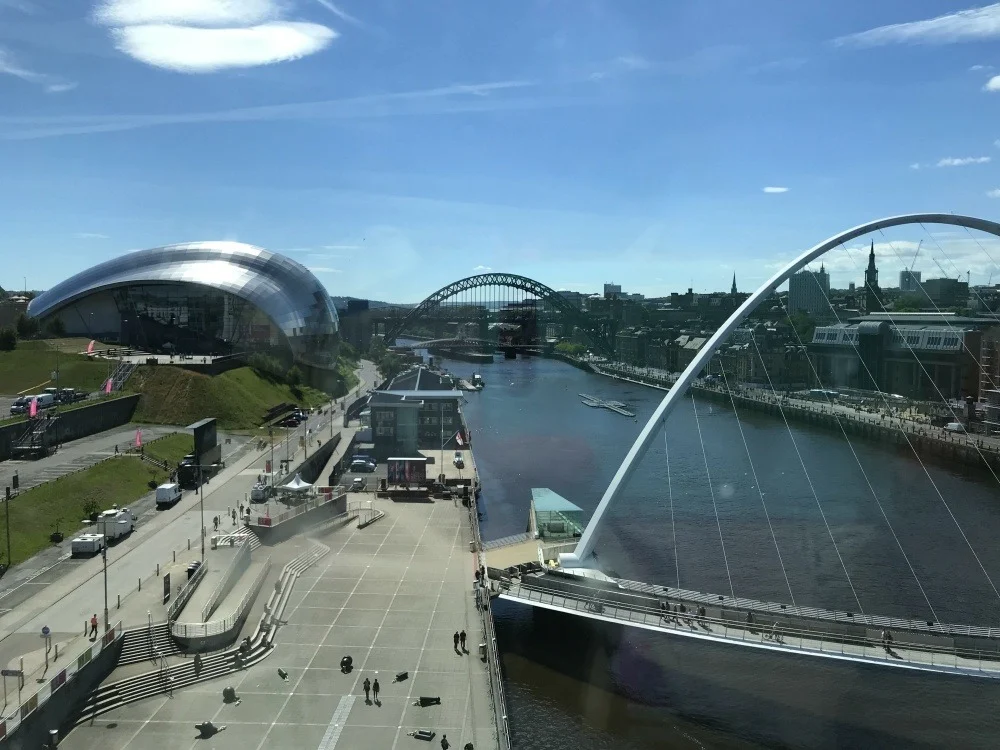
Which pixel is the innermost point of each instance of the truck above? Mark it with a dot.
(87, 544)
(167, 494)
(116, 523)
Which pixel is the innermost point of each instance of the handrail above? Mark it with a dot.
(486, 614)
(593, 596)
(239, 563)
(218, 627)
(327, 496)
(28, 704)
(187, 590)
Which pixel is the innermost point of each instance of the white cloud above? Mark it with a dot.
(995, 193)
(775, 190)
(482, 269)
(343, 15)
(633, 62)
(993, 84)
(91, 236)
(195, 12)
(202, 36)
(977, 68)
(974, 24)
(964, 162)
(324, 269)
(997, 143)
(341, 247)
(189, 49)
(53, 85)
(915, 165)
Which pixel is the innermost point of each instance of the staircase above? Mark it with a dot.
(242, 535)
(147, 644)
(33, 443)
(165, 679)
(121, 374)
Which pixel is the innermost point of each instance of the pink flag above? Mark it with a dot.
(33, 409)
(107, 386)
(138, 438)
(458, 438)
(90, 347)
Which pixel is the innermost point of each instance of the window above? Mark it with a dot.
(913, 339)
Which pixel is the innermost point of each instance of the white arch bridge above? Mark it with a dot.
(576, 586)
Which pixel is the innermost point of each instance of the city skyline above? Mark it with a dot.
(350, 135)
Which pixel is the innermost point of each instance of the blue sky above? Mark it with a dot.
(395, 146)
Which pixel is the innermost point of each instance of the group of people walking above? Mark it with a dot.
(371, 690)
(459, 639)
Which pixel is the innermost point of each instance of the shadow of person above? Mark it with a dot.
(378, 703)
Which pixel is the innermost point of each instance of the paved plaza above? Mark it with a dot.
(391, 596)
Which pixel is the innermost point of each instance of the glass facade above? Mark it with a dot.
(200, 298)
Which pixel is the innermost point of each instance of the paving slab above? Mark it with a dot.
(390, 611)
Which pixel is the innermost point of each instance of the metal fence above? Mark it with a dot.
(326, 495)
(239, 563)
(187, 590)
(218, 627)
(34, 697)
(869, 648)
(493, 654)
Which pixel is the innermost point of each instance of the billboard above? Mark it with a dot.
(407, 470)
(207, 451)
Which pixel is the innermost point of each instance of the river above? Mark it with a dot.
(573, 683)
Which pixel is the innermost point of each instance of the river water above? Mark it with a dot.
(574, 683)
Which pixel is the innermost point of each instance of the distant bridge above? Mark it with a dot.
(599, 331)
(466, 343)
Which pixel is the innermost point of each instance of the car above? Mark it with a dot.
(459, 460)
(362, 466)
(358, 484)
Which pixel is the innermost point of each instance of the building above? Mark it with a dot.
(202, 298)
(357, 324)
(809, 292)
(417, 410)
(918, 355)
(612, 290)
(909, 281)
(873, 294)
(946, 292)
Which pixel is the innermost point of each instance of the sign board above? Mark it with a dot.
(45, 631)
(166, 588)
(11, 673)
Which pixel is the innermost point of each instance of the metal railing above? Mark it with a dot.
(184, 595)
(493, 653)
(29, 701)
(236, 567)
(218, 627)
(327, 495)
(586, 599)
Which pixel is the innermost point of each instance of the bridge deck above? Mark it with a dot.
(598, 604)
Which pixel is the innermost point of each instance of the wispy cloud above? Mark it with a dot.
(482, 269)
(440, 100)
(91, 236)
(994, 193)
(341, 247)
(992, 85)
(52, 84)
(975, 24)
(978, 68)
(203, 36)
(343, 15)
(775, 66)
(775, 189)
(324, 269)
(963, 162)
(915, 165)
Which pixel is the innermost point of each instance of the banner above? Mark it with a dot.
(107, 385)
(90, 347)
(138, 438)
(33, 408)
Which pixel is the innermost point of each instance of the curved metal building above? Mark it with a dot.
(199, 298)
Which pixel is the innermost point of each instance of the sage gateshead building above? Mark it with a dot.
(202, 299)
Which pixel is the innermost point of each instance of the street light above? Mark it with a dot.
(104, 557)
(201, 501)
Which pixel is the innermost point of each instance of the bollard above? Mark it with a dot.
(157, 570)
(175, 555)
(119, 601)
(140, 584)
(57, 652)
(189, 545)
(85, 627)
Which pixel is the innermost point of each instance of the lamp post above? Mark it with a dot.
(305, 437)
(104, 557)
(270, 438)
(201, 501)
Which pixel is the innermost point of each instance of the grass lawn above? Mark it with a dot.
(38, 512)
(170, 448)
(238, 398)
(29, 368)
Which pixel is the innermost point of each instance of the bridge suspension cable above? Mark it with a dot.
(670, 496)
(756, 481)
(805, 471)
(711, 489)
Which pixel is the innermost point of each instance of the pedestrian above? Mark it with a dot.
(116, 450)
(368, 687)
(455, 639)
(375, 689)
(234, 516)
(461, 637)
(241, 510)
(444, 742)
(93, 626)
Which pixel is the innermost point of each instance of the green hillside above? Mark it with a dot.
(238, 398)
(29, 368)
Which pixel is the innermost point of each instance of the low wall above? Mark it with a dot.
(57, 710)
(76, 423)
(311, 468)
(283, 530)
(237, 567)
(578, 364)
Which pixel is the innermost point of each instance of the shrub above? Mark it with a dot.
(8, 339)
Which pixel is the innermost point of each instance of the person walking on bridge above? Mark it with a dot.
(455, 639)
(461, 638)
(367, 686)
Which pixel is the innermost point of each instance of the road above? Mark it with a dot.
(64, 604)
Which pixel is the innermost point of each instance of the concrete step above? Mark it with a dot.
(146, 644)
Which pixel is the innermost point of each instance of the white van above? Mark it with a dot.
(167, 494)
(87, 544)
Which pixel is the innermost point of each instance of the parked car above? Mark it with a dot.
(459, 460)
(362, 466)
(358, 484)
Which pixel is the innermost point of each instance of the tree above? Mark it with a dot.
(908, 303)
(8, 339)
(26, 327)
(804, 325)
(568, 347)
(294, 376)
(56, 328)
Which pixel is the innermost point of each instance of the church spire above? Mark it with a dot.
(733, 290)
